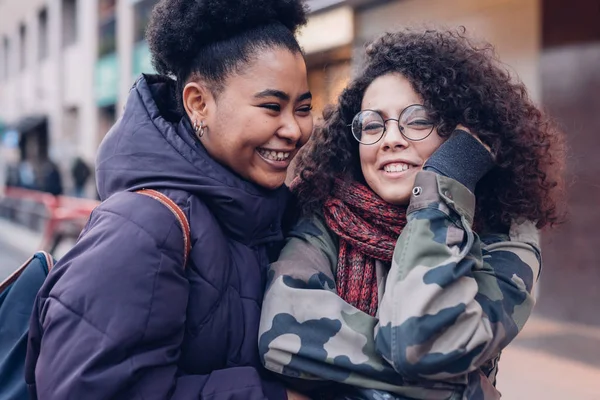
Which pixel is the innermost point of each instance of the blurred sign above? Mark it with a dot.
(106, 80)
(142, 60)
(10, 139)
(328, 30)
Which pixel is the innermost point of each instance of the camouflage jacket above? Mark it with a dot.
(451, 301)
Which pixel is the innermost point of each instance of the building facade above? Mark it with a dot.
(66, 67)
(69, 64)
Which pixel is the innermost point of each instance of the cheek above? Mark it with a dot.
(306, 127)
(426, 148)
(368, 158)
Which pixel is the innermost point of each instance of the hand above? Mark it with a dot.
(464, 128)
(293, 395)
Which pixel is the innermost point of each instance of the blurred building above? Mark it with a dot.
(66, 67)
(65, 70)
(338, 30)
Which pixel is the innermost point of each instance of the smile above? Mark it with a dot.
(278, 160)
(396, 167)
(274, 155)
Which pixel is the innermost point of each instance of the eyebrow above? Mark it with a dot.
(383, 115)
(281, 95)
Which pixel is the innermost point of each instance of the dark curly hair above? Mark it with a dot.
(210, 39)
(462, 83)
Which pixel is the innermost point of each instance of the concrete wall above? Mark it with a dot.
(570, 76)
(571, 278)
(513, 26)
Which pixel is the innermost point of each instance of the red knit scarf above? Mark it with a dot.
(368, 228)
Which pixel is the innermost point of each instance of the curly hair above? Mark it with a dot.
(210, 39)
(462, 83)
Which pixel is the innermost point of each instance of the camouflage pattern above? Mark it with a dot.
(451, 301)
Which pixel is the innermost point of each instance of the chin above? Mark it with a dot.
(396, 198)
(270, 183)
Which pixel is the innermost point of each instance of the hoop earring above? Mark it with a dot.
(199, 129)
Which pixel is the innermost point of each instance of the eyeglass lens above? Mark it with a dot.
(368, 126)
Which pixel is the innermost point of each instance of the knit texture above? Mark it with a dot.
(462, 158)
(368, 228)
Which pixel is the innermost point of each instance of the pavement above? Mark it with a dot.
(18, 243)
(552, 360)
(549, 360)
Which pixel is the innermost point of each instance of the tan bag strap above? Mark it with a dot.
(13, 277)
(179, 214)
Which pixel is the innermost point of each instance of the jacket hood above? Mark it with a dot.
(153, 146)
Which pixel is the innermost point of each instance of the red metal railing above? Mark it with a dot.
(58, 210)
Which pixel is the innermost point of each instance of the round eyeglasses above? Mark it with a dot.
(414, 123)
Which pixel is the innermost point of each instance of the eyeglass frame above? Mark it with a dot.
(385, 121)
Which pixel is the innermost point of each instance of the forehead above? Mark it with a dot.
(273, 68)
(390, 93)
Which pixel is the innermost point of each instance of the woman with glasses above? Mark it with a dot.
(415, 259)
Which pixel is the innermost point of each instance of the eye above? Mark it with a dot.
(372, 126)
(305, 109)
(272, 107)
(420, 123)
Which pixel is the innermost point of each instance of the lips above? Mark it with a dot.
(274, 155)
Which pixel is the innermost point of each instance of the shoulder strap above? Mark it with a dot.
(16, 274)
(179, 214)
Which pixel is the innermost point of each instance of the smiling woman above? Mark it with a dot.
(415, 259)
(123, 317)
(248, 93)
(259, 112)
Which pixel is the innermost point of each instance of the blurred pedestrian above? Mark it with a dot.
(48, 176)
(80, 173)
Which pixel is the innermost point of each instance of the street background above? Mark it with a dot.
(66, 67)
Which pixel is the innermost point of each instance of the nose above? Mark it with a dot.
(392, 138)
(290, 130)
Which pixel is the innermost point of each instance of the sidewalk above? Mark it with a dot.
(549, 360)
(20, 238)
(552, 361)
(24, 240)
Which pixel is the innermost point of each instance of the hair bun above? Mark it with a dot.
(178, 29)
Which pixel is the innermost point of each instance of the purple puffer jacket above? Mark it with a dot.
(119, 317)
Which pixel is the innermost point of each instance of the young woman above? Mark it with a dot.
(120, 317)
(415, 261)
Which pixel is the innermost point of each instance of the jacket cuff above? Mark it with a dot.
(432, 190)
(274, 390)
(462, 158)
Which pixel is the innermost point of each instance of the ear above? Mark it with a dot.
(196, 100)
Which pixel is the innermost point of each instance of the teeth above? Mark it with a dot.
(274, 155)
(396, 167)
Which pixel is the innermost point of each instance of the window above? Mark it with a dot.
(108, 27)
(43, 34)
(142, 12)
(22, 47)
(5, 58)
(69, 22)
